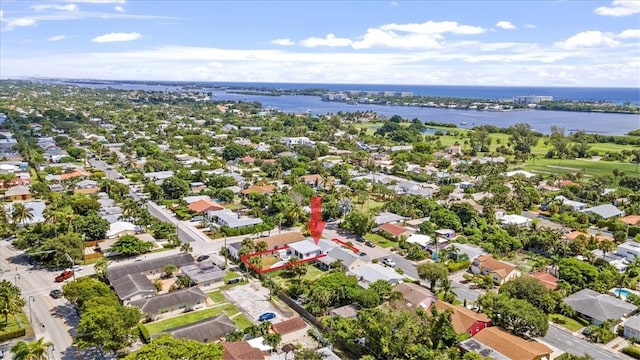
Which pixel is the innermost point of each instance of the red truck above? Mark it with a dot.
(64, 276)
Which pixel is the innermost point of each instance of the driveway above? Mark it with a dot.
(253, 300)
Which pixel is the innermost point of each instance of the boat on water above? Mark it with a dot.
(464, 123)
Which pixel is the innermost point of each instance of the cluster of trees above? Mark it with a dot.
(98, 327)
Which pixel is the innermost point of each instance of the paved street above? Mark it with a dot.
(565, 341)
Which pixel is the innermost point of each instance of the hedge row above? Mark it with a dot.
(12, 334)
(144, 333)
(453, 267)
(633, 351)
(246, 230)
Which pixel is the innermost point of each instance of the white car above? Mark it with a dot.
(76, 268)
(389, 262)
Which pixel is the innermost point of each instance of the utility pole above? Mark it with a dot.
(72, 265)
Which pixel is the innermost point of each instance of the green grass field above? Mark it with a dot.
(241, 321)
(589, 167)
(190, 318)
(380, 241)
(567, 322)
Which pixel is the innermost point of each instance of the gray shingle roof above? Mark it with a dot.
(597, 306)
(207, 330)
(606, 211)
(203, 272)
(154, 305)
(130, 285)
(178, 260)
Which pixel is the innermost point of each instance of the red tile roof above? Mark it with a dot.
(393, 229)
(289, 326)
(631, 219)
(548, 280)
(202, 206)
(240, 351)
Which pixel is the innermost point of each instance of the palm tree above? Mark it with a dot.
(21, 214)
(33, 350)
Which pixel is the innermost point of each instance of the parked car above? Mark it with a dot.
(267, 316)
(56, 293)
(234, 280)
(202, 258)
(369, 243)
(389, 262)
(221, 266)
(362, 253)
(76, 268)
(64, 276)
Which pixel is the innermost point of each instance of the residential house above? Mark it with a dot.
(291, 330)
(469, 251)
(121, 228)
(423, 240)
(597, 307)
(348, 260)
(36, 208)
(549, 281)
(315, 181)
(368, 273)
(191, 199)
(197, 186)
(131, 287)
(514, 220)
(629, 250)
(632, 327)
(262, 189)
(228, 218)
(304, 249)
(605, 211)
(205, 276)
(346, 311)
(204, 206)
(387, 217)
(158, 176)
(495, 343)
(394, 231)
(631, 220)
(463, 319)
(17, 193)
(86, 187)
(301, 140)
(500, 271)
(207, 330)
(520, 172)
(152, 268)
(240, 351)
(273, 242)
(415, 296)
(160, 306)
(574, 205)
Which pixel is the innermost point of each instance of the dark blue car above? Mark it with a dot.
(267, 316)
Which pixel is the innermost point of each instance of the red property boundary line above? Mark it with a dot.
(245, 258)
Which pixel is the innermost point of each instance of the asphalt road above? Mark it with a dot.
(567, 342)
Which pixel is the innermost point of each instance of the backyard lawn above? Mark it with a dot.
(241, 321)
(567, 322)
(380, 241)
(190, 318)
(217, 297)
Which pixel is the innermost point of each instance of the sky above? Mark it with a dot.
(492, 43)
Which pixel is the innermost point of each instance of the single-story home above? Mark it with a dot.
(262, 189)
(153, 267)
(446, 233)
(597, 307)
(346, 311)
(423, 240)
(121, 228)
(369, 273)
(415, 296)
(228, 218)
(204, 206)
(605, 211)
(501, 345)
(631, 220)
(500, 271)
(157, 307)
(516, 220)
(131, 287)
(17, 193)
(387, 217)
(394, 230)
(207, 330)
(205, 276)
(240, 351)
(291, 330)
(87, 187)
(273, 242)
(549, 281)
(632, 327)
(348, 259)
(463, 319)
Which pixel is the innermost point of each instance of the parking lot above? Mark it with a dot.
(253, 300)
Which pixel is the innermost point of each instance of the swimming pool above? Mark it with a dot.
(622, 292)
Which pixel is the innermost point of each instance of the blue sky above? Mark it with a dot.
(501, 43)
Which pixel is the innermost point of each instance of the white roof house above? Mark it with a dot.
(515, 220)
(120, 227)
(232, 220)
(576, 205)
(520, 172)
(420, 239)
(304, 249)
(606, 211)
(369, 273)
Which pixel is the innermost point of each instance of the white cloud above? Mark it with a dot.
(56, 38)
(119, 8)
(630, 34)
(330, 40)
(18, 22)
(530, 26)
(282, 42)
(394, 3)
(114, 37)
(619, 8)
(68, 7)
(435, 27)
(506, 25)
(589, 39)
(98, 1)
(390, 39)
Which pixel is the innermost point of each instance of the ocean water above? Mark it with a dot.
(603, 123)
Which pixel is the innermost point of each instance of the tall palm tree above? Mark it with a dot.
(33, 350)
(21, 214)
